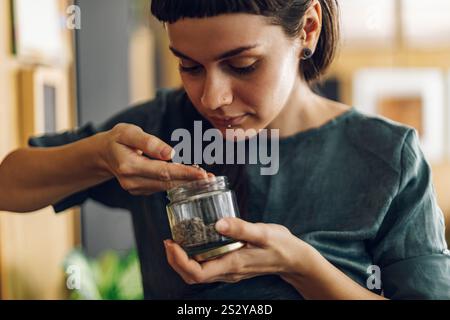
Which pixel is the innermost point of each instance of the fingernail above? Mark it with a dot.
(201, 172)
(196, 166)
(222, 226)
(168, 152)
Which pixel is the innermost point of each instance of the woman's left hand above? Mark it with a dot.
(269, 249)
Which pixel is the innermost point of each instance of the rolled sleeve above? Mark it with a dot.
(424, 277)
(410, 247)
(109, 193)
(59, 139)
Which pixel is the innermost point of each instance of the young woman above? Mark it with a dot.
(351, 213)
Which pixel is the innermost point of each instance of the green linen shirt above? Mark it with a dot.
(358, 189)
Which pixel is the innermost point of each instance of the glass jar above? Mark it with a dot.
(193, 211)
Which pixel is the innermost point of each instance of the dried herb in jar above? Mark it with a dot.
(193, 232)
(193, 211)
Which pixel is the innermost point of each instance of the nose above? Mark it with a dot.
(217, 92)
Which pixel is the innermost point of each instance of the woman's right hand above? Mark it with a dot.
(122, 154)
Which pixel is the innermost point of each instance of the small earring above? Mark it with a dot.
(307, 53)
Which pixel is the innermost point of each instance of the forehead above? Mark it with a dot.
(220, 33)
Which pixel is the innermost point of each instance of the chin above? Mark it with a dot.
(238, 133)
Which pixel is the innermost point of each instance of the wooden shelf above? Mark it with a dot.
(32, 246)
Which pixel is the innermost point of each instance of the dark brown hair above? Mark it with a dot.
(285, 13)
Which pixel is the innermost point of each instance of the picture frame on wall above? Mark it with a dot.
(38, 31)
(414, 97)
(368, 24)
(45, 102)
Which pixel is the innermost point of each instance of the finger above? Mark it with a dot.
(228, 268)
(188, 269)
(238, 229)
(166, 171)
(144, 186)
(223, 268)
(134, 137)
(235, 266)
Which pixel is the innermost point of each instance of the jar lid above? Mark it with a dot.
(197, 187)
(217, 252)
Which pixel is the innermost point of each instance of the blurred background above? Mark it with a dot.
(64, 63)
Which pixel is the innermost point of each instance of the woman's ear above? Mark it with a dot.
(312, 26)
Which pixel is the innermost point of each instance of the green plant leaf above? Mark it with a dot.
(109, 277)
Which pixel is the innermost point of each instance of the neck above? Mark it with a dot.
(305, 110)
(297, 112)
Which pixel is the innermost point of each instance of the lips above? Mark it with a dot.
(230, 120)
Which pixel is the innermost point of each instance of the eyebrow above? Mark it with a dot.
(228, 54)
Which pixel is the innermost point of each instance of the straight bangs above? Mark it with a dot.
(170, 11)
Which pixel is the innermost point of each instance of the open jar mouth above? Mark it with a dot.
(197, 187)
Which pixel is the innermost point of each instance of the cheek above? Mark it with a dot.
(282, 80)
(193, 89)
(191, 86)
(269, 91)
(281, 84)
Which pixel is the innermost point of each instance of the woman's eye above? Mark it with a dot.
(244, 70)
(237, 70)
(191, 70)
